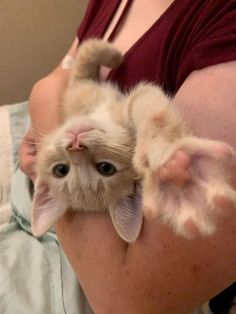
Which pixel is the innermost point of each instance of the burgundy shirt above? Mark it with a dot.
(190, 35)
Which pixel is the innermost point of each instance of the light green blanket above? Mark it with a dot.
(35, 276)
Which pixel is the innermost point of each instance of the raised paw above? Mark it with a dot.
(182, 191)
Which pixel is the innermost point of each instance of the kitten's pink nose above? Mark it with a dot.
(77, 143)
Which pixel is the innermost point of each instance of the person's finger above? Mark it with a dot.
(27, 153)
(26, 163)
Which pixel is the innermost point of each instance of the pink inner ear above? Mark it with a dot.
(46, 209)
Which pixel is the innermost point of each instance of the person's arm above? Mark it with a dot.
(44, 100)
(162, 273)
(47, 94)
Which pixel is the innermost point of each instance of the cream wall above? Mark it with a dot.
(34, 36)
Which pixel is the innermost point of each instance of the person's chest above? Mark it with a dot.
(154, 39)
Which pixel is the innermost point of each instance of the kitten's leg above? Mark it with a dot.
(161, 133)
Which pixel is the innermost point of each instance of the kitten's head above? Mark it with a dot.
(86, 165)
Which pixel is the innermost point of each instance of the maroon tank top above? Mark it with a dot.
(190, 35)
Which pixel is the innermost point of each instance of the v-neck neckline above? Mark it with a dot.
(119, 21)
(132, 48)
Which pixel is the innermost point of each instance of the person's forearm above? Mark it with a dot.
(161, 273)
(46, 96)
(44, 102)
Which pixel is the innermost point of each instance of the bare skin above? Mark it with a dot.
(160, 273)
(173, 275)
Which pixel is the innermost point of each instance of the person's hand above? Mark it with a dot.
(27, 154)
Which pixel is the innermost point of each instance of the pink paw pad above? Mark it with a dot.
(159, 118)
(191, 229)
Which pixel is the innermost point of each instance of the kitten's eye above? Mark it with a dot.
(60, 170)
(105, 168)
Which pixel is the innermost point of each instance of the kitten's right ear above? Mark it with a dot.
(127, 217)
(46, 209)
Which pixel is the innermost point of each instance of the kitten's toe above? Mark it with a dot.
(193, 229)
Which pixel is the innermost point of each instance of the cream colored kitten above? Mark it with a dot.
(110, 144)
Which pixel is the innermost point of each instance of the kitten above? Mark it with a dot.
(110, 144)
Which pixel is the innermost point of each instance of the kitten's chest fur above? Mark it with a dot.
(97, 101)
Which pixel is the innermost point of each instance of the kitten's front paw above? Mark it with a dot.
(182, 191)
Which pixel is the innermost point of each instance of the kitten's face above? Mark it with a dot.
(86, 165)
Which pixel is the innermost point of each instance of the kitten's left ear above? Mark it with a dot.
(127, 217)
(46, 209)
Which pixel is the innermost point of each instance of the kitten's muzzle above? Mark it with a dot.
(77, 143)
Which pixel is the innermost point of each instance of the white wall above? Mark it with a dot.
(34, 35)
